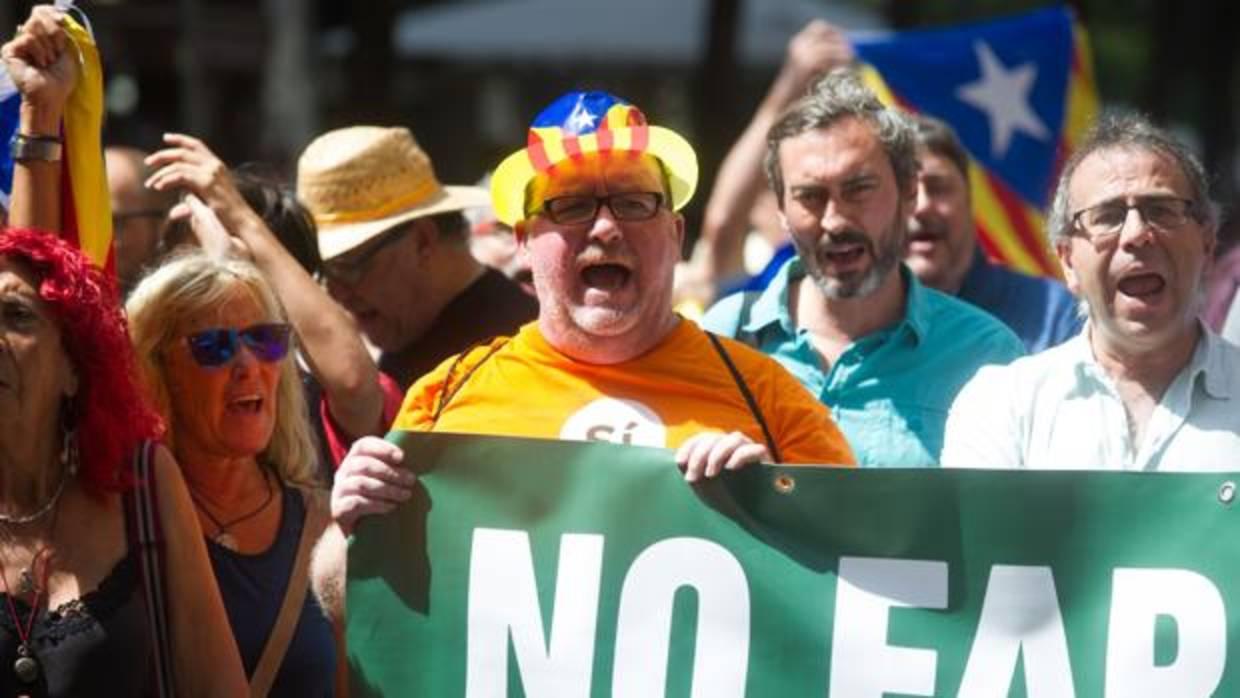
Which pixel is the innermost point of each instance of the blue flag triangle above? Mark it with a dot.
(10, 101)
(1002, 85)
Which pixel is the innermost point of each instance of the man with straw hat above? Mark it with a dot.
(395, 250)
(593, 200)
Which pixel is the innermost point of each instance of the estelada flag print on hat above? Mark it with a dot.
(579, 123)
(1019, 92)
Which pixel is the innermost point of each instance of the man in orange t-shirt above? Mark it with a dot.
(677, 390)
(593, 201)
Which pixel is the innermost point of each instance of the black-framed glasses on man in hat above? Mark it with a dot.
(577, 209)
(350, 267)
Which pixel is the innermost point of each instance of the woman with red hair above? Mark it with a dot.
(82, 535)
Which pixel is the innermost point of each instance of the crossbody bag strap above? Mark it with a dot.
(313, 522)
(449, 389)
(745, 393)
(145, 537)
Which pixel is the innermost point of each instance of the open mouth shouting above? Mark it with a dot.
(843, 252)
(1142, 285)
(1141, 291)
(246, 404)
(605, 275)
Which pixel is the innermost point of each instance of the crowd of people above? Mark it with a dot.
(175, 442)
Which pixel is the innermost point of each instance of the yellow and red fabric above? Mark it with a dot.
(580, 123)
(86, 218)
(85, 203)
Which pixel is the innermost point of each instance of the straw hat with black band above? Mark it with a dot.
(362, 181)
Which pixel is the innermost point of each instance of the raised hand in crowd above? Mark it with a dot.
(42, 61)
(331, 344)
(189, 166)
(43, 65)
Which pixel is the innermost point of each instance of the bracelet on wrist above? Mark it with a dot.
(35, 148)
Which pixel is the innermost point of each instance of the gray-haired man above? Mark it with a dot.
(1145, 386)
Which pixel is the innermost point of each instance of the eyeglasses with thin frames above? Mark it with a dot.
(578, 209)
(349, 268)
(1103, 223)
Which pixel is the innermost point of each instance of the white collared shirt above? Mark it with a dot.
(1060, 410)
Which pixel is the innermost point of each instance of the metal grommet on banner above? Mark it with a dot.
(1227, 492)
(784, 484)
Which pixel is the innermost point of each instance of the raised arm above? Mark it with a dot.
(43, 64)
(814, 50)
(333, 348)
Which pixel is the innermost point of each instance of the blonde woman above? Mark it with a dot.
(214, 349)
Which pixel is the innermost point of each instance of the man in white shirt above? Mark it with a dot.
(1231, 324)
(1145, 386)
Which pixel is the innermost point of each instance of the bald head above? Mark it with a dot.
(138, 213)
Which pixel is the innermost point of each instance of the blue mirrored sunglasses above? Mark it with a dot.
(217, 346)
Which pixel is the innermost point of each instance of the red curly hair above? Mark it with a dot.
(110, 411)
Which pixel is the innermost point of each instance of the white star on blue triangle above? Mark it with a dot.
(1003, 94)
(581, 121)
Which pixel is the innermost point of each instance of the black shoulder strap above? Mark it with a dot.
(144, 535)
(745, 393)
(449, 390)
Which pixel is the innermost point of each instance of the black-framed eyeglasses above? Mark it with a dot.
(1103, 222)
(349, 268)
(217, 346)
(582, 208)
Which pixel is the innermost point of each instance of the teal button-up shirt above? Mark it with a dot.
(889, 391)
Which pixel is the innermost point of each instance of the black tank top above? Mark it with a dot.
(95, 645)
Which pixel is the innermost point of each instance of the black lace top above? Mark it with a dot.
(95, 645)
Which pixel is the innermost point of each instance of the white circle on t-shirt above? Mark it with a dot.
(616, 421)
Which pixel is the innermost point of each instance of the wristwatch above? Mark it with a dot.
(35, 148)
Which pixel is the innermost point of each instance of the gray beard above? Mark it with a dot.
(886, 260)
(835, 289)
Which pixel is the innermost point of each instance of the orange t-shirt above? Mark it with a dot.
(524, 387)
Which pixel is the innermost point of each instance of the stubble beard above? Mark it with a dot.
(885, 260)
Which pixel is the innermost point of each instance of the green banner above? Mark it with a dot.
(557, 569)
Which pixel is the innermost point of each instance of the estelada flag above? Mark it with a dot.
(1019, 92)
(86, 217)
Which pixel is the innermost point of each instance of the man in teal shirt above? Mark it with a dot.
(886, 353)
